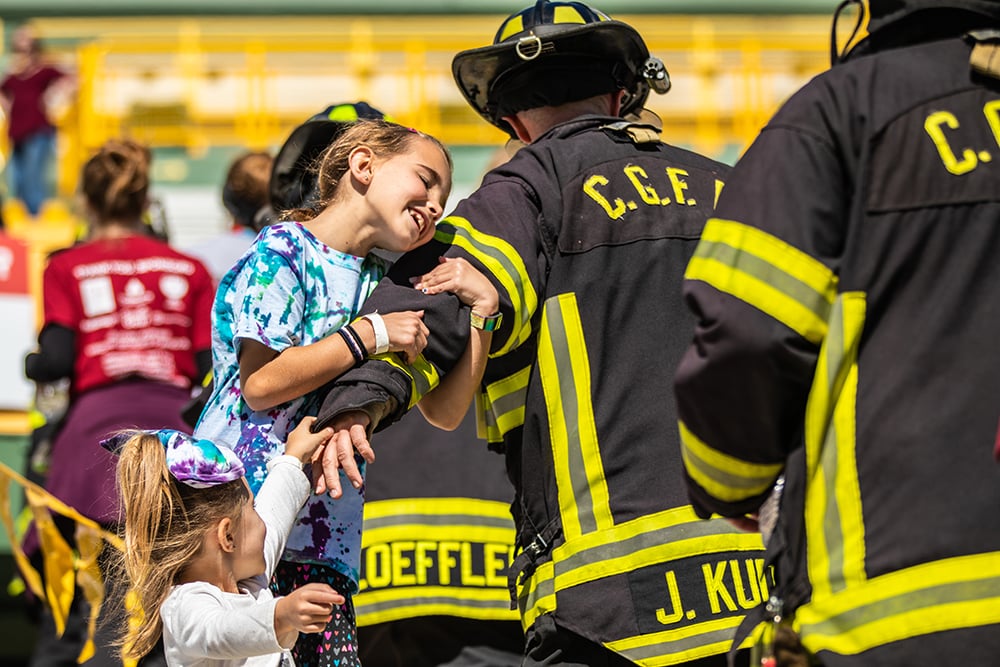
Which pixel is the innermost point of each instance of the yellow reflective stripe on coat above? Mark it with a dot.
(943, 595)
(423, 376)
(661, 538)
(672, 647)
(502, 404)
(725, 477)
(768, 274)
(502, 260)
(833, 516)
(597, 549)
(433, 556)
(564, 368)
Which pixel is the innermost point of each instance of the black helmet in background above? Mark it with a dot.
(293, 181)
(553, 53)
(894, 23)
(885, 12)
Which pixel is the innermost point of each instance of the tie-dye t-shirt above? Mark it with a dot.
(288, 289)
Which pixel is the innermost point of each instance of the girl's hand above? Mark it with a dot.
(306, 609)
(456, 275)
(407, 333)
(302, 443)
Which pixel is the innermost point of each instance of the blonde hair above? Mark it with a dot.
(165, 523)
(385, 140)
(115, 181)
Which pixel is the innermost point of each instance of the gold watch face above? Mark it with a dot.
(486, 323)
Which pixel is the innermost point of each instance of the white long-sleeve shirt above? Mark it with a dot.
(204, 626)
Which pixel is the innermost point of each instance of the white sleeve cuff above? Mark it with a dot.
(284, 459)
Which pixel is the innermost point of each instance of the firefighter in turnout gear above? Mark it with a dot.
(585, 233)
(848, 303)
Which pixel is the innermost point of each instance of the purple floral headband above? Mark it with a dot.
(197, 463)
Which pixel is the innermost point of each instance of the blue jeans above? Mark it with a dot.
(29, 167)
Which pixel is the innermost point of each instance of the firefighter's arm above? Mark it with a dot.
(763, 284)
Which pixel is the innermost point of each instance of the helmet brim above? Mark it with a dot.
(477, 71)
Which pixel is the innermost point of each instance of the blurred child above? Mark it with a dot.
(199, 551)
(245, 196)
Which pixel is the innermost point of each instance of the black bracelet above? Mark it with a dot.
(352, 346)
(357, 339)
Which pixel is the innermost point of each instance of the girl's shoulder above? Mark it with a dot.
(286, 237)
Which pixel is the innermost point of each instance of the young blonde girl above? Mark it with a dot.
(199, 552)
(284, 326)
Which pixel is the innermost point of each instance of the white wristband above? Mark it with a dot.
(381, 333)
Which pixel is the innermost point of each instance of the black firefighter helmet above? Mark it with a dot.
(903, 21)
(293, 180)
(553, 53)
(886, 12)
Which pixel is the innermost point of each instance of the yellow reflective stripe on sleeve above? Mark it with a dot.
(502, 260)
(503, 404)
(423, 376)
(949, 594)
(723, 476)
(537, 596)
(834, 520)
(768, 274)
(564, 368)
(679, 646)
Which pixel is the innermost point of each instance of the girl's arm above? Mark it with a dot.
(447, 404)
(269, 378)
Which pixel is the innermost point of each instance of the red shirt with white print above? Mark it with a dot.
(138, 308)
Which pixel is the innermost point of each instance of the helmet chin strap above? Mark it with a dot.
(836, 55)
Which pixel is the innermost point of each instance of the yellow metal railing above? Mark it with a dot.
(213, 81)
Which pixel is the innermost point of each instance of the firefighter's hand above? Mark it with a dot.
(349, 435)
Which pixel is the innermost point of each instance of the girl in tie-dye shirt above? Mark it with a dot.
(277, 316)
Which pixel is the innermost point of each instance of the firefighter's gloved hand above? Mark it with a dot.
(349, 435)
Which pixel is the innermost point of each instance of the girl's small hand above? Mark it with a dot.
(306, 609)
(456, 275)
(407, 333)
(302, 443)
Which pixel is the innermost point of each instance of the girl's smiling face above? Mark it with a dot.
(408, 193)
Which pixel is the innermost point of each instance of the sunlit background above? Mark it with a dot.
(200, 81)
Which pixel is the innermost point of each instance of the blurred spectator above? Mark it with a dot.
(26, 92)
(245, 196)
(127, 319)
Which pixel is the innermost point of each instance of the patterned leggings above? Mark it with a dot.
(337, 646)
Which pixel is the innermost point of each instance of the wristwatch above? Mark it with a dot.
(485, 322)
